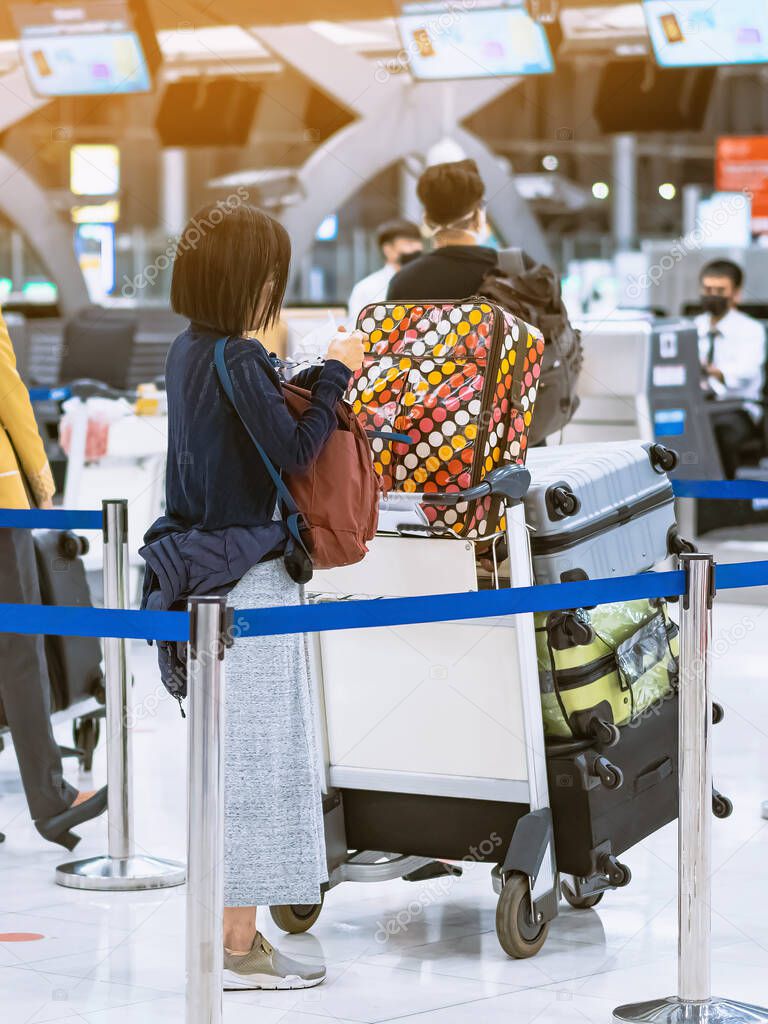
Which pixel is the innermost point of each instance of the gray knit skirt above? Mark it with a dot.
(274, 840)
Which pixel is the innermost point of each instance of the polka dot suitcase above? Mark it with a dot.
(455, 384)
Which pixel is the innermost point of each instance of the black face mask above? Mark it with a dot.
(717, 305)
(408, 257)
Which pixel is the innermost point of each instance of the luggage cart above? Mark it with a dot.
(431, 735)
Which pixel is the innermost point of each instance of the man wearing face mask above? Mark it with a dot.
(399, 241)
(732, 354)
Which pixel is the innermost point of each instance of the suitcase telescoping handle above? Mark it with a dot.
(511, 482)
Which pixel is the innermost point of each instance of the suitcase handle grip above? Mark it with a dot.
(653, 776)
(511, 481)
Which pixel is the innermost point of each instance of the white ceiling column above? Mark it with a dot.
(396, 117)
(28, 207)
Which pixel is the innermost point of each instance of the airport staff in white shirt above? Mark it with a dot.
(732, 350)
(399, 241)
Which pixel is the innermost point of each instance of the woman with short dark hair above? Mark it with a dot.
(222, 534)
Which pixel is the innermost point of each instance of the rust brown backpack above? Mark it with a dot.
(331, 511)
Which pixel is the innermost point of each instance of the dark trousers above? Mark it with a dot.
(732, 430)
(25, 687)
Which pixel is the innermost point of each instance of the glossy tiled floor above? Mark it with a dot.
(119, 959)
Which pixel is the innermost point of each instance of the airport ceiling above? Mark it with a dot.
(189, 14)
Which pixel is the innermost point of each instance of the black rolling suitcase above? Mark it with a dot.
(74, 662)
(605, 802)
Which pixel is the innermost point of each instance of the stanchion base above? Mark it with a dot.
(675, 1011)
(121, 873)
(765, 809)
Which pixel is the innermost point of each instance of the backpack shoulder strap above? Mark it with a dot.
(293, 519)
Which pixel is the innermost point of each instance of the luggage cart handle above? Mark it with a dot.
(511, 482)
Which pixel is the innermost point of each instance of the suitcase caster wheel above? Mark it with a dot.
(580, 902)
(722, 807)
(71, 546)
(519, 936)
(609, 774)
(85, 733)
(663, 459)
(718, 713)
(605, 734)
(618, 874)
(562, 502)
(677, 545)
(296, 918)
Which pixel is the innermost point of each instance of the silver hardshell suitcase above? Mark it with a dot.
(600, 510)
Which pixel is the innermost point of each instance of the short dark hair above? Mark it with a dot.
(450, 192)
(226, 255)
(724, 268)
(393, 229)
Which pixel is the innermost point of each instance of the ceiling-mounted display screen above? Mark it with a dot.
(105, 47)
(699, 33)
(445, 41)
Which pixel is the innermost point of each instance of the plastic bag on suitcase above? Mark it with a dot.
(456, 383)
(604, 666)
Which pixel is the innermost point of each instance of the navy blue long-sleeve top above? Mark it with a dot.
(215, 477)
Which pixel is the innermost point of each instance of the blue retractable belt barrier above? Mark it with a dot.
(49, 394)
(51, 519)
(334, 615)
(452, 607)
(721, 489)
(732, 576)
(57, 621)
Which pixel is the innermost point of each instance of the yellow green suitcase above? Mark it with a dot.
(600, 668)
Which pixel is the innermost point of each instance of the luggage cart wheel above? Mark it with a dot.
(520, 937)
(722, 807)
(618, 874)
(609, 774)
(580, 902)
(85, 733)
(295, 918)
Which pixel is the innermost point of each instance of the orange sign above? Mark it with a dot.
(741, 164)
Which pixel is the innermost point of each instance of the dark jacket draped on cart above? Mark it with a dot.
(220, 501)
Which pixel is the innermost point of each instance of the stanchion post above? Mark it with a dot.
(205, 810)
(121, 868)
(694, 1003)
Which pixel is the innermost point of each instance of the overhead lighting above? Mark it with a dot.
(94, 170)
(97, 213)
(600, 190)
(667, 190)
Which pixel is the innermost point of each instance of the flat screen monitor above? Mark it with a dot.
(104, 47)
(445, 41)
(699, 33)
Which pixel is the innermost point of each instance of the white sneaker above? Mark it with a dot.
(265, 967)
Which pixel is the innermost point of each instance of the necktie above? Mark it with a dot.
(712, 335)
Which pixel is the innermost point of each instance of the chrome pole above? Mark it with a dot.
(694, 835)
(205, 811)
(694, 1003)
(121, 868)
(119, 737)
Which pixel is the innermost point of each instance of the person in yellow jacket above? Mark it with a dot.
(24, 683)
